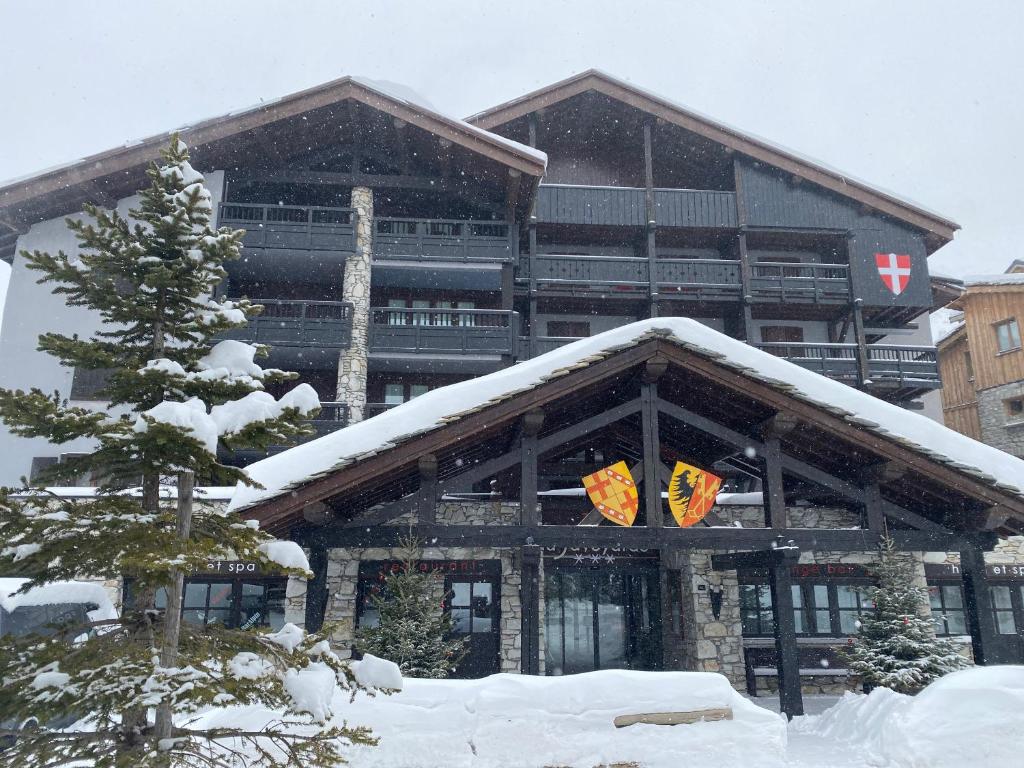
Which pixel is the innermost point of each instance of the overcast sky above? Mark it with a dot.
(920, 97)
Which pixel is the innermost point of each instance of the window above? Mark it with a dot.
(1007, 335)
(1002, 607)
(470, 604)
(398, 392)
(756, 610)
(783, 335)
(447, 313)
(572, 329)
(818, 608)
(969, 365)
(947, 603)
(1015, 407)
(232, 603)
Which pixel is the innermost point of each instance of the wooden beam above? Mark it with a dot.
(978, 606)
(653, 508)
(512, 187)
(316, 588)
(529, 513)
(426, 496)
(642, 537)
(787, 663)
(529, 556)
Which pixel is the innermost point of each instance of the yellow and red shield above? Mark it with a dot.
(613, 493)
(691, 493)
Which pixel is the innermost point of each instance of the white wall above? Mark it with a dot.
(32, 310)
(5, 276)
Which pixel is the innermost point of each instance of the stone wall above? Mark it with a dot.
(351, 388)
(998, 429)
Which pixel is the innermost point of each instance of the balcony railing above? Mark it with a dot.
(375, 409)
(626, 206)
(782, 282)
(286, 323)
(631, 274)
(443, 331)
(291, 227)
(887, 364)
(443, 240)
(333, 416)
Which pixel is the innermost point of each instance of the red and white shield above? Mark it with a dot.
(894, 269)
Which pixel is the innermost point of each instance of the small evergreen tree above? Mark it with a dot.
(896, 646)
(413, 632)
(174, 393)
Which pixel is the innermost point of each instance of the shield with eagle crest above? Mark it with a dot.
(691, 493)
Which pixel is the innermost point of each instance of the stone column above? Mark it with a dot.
(711, 644)
(356, 290)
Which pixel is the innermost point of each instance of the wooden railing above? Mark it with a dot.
(627, 206)
(288, 323)
(629, 273)
(291, 227)
(806, 281)
(443, 240)
(904, 365)
(443, 331)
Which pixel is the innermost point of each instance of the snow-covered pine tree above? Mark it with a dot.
(413, 632)
(174, 392)
(896, 646)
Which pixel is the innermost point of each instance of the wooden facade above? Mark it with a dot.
(974, 368)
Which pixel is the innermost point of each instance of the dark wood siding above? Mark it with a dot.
(694, 208)
(615, 206)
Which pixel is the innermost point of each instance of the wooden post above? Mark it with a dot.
(746, 292)
(653, 369)
(316, 588)
(978, 604)
(529, 515)
(532, 245)
(426, 496)
(530, 598)
(651, 223)
(771, 470)
(863, 365)
(791, 701)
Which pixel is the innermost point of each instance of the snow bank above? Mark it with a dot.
(532, 722)
(971, 717)
(284, 471)
(57, 593)
(377, 673)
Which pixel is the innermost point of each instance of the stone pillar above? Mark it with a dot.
(356, 290)
(711, 644)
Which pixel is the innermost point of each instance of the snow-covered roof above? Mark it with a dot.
(1014, 278)
(597, 76)
(57, 593)
(944, 323)
(297, 466)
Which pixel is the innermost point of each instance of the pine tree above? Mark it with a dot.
(413, 632)
(896, 646)
(174, 392)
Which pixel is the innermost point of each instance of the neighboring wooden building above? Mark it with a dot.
(982, 362)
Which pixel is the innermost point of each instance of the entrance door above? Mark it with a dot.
(473, 601)
(601, 618)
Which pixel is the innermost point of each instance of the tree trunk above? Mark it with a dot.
(172, 619)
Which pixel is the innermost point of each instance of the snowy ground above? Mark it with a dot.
(970, 718)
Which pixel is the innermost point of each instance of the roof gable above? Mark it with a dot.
(732, 138)
(116, 172)
(463, 411)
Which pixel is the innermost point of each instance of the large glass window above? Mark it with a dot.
(818, 609)
(232, 603)
(947, 604)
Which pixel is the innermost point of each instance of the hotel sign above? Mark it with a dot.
(994, 571)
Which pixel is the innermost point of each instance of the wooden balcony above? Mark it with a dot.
(443, 240)
(889, 366)
(468, 332)
(578, 275)
(285, 323)
(626, 206)
(778, 282)
(291, 228)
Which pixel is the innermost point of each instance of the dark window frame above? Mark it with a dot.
(234, 609)
(807, 611)
(942, 611)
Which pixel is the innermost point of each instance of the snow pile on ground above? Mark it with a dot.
(971, 717)
(280, 473)
(533, 722)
